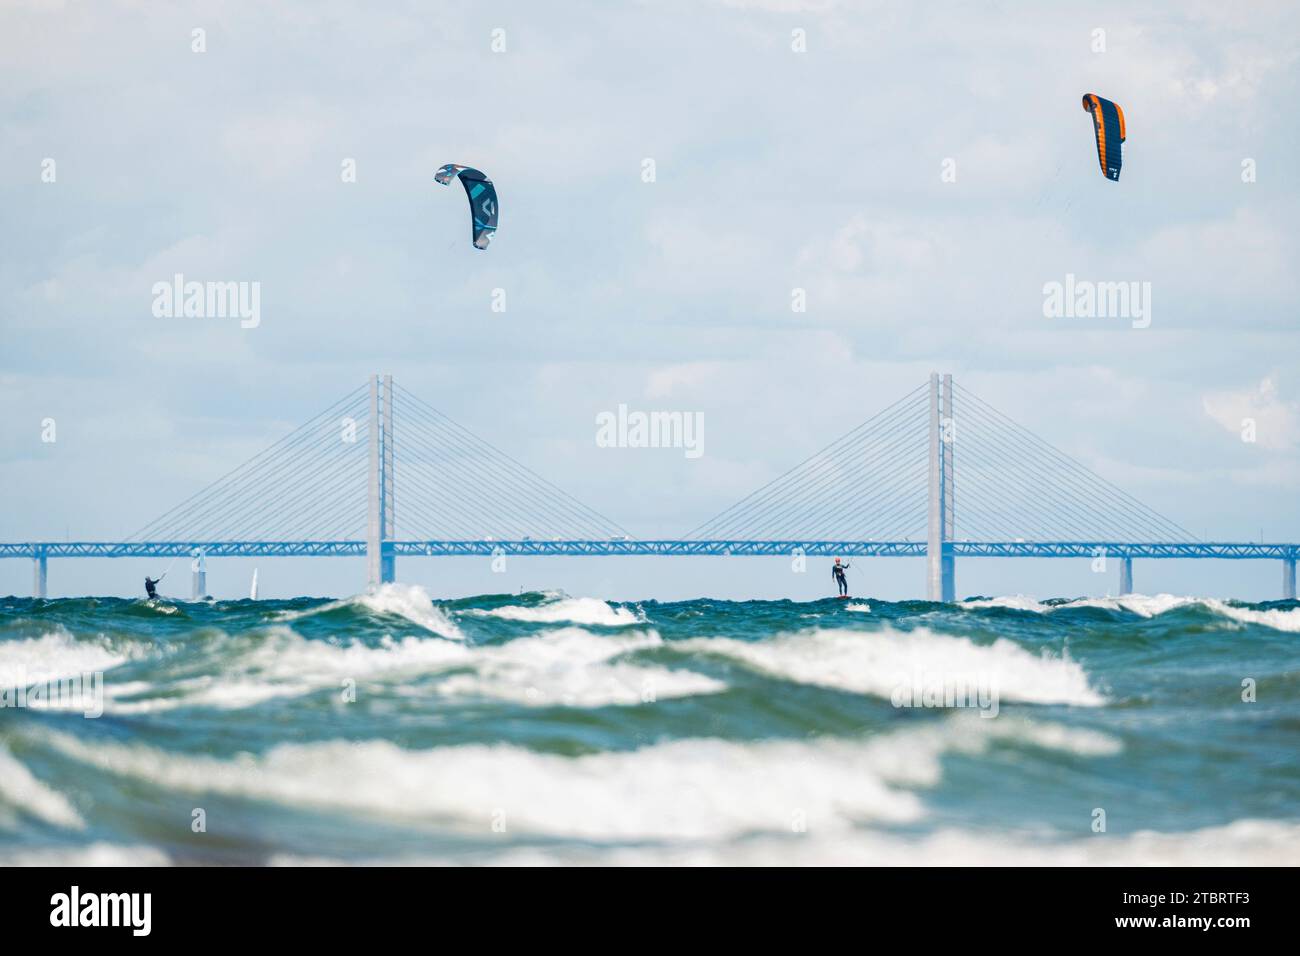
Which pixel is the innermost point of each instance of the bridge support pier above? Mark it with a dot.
(199, 577)
(1288, 579)
(1125, 576)
(40, 572)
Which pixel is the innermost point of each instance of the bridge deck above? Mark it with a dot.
(620, 546)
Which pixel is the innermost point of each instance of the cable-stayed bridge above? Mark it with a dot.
(939, 474)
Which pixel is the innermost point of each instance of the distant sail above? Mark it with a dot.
(252, 592)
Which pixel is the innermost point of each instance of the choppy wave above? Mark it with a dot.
(1276, 618)
(499, 729)
(409, 601)
(881, 662)
(1252, 842)
(1016, 602)
(277, 662)
(564, 610)
(569, 667)
(1241, 843)
(96, 854)
(20, 790)
(575, 668)
(53, 656)
(1140, 604)
(1143, 605)
(1149, 606)
(681, 790)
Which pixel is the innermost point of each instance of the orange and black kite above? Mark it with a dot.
(1108, 124)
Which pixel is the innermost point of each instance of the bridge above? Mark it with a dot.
(940, 474)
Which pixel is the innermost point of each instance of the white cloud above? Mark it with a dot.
(783, 6)
(671, 380)
(1275, 419)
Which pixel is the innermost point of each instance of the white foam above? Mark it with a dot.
(860, 608)
(20, 789)
(1154, 605)
(878, 662)
(574, 667)
(582, 610)
(96, 854)
(52, 657)
(695, 789)
(1016, 602)
(569, 667)
(413, 603)
(285, 664)
(1140, 604)
(403, 600)
(685, 789)
(1240, 843)
(1276, 618)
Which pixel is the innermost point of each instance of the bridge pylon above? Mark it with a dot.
(1125, 576)
(199, 576)
(941, 524)
(41, 571)
(381, 563)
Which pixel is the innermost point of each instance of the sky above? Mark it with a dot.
(920, 171)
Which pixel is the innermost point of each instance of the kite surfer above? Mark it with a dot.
(837, 572)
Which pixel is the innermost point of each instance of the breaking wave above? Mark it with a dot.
(880, 662)
(565, 610)
(569, 667)
(409, 601)
(1149, 606)
(693, 789)
(52, 656)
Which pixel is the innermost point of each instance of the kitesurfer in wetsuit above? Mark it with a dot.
(837, 573)
(151, 586)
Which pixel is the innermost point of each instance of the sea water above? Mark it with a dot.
(548, 728)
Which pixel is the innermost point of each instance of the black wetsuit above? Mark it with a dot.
(151, 587)
(837, 572)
